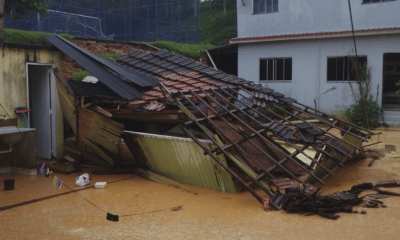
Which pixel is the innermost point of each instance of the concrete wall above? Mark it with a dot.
(309, 16)
(309, 72)
(13, 88)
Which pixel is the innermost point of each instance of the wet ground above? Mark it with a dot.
(156, 211)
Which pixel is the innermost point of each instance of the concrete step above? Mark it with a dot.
(392, 117)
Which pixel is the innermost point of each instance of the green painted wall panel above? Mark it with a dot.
(182, 160)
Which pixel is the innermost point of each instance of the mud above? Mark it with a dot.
(98, 48)
(207, 215)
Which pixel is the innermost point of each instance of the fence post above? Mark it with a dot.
(104, 26)
(172, 25)
(148, 24)
(99, 12)
(199, 31)
(130, 20)
(126, 26)
(39, 25)
(195, 8)
(99, 8)
(179, 21)
(156, 20)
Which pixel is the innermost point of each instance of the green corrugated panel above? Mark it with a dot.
(182, 160)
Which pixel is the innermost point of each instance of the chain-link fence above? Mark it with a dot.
(127, 20)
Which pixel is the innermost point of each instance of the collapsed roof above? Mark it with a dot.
(263, 133)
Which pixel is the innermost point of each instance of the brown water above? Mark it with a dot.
(207, 215)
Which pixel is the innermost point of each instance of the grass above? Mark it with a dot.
(110, 56)
(187, 50)
(20, 36)
(79, 76)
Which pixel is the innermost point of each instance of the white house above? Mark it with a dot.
(301, 48)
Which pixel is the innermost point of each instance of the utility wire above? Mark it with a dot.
(85, 198)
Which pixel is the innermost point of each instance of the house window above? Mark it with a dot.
(265, 6)
(341, 68)
(376, 1)
(275, 69)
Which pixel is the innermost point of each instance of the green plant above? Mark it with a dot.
(216, 27)
(398, 84)
(187, 50)
(20, 36)
(356, 113)
(365, 111)
(110, 56)
(79, 76)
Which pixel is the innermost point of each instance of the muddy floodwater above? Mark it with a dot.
(149, 210)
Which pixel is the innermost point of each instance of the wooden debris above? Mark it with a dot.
(98, 137)
(102, 111)
(68, 158)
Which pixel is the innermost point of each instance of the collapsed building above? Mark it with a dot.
(260, 138)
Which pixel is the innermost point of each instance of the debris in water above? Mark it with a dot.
(178, 208)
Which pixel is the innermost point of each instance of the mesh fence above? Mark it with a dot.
(128, 20)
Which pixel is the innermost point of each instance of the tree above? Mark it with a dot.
(18, 8)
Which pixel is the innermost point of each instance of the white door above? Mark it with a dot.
(41, 104)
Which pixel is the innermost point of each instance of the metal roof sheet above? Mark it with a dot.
(131, 76)
(121, 88)
(95, 89)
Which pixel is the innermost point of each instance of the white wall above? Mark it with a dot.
(309, 16)
(309, 73)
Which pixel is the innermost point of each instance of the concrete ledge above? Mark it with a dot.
(22, 171)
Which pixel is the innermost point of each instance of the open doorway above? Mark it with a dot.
(391, 75)
(41, 95)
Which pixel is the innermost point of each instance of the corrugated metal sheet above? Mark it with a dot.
(182, 160)
(120, 87)
(95, 89)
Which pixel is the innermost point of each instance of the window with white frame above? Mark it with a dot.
(342, 68)
(276, 69)
(265, 6)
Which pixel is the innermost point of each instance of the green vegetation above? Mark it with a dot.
(216, 27)
(187, 50)
(79, 76)
(18, 8)
(110, 56)
(20, 36)
(365, 111)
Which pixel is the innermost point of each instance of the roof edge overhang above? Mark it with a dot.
(318, 35)
(27, 46)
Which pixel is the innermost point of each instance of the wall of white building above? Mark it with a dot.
(309, 61)
(310, 16)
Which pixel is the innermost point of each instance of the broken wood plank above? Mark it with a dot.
(98, 137)
(67, 106)
(102, 111)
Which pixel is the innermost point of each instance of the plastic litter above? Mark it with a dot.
(82, 180)
(100, 185)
